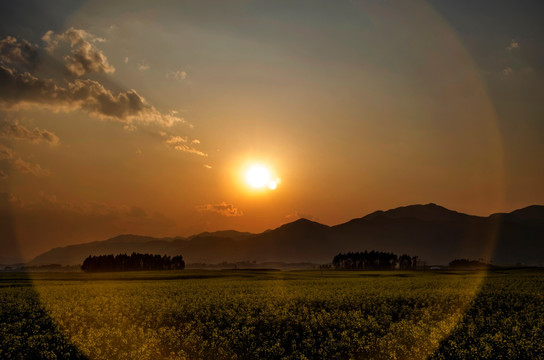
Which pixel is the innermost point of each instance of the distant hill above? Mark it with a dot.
(434, 233)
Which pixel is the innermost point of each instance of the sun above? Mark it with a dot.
(260, 177)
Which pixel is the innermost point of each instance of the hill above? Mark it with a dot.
(434, 233)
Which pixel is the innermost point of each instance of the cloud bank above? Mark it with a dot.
(90, 96)
(20, 88)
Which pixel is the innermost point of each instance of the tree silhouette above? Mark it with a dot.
(134, 262)
(373, 260)
(468, 264)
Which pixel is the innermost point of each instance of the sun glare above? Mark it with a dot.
(260, 177)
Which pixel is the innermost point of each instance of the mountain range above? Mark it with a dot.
(435, 234)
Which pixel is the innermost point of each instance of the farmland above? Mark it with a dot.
(196, 314)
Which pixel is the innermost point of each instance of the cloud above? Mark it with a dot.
(81, 94)
(84, 57)
(190, 150)
(207, 166)
(513, 45)
(5, 153)
(20, 132)
(176, 75)
(143, 67)
(222, 208)
(126, 60)
(18, 53)
(507, 71)
(22, 165)
(176, 140)
(180, 143)
(32, 169)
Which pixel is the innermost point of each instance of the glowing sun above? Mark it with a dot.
(259, 177)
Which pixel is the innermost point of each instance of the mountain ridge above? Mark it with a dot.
(433, 232)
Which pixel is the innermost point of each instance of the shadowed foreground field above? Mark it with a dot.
(273, 315)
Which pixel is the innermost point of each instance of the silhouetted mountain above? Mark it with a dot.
(233, 234)
(429, 212)
(531, 213)
(434, 233)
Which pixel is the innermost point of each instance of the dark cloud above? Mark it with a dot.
(18, 131)
(222, 208)
(83, 94)
(84, 57)
(18, 53)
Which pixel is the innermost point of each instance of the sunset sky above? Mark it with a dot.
(144, 116)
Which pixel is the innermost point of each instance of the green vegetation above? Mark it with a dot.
(273, 315)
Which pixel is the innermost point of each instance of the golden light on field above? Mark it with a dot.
(260, 177)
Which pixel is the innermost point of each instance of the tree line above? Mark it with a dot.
(468, 264)
(374, 260)
(134, 262)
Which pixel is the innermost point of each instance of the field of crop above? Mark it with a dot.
(273, 315)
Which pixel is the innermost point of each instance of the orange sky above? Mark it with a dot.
(143, 119)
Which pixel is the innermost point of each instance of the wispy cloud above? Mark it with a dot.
(189, 149)
(143, 67)
(5, 153)
(507, 71)
(176, 140)
(176, 75)
(182, 144)
(18, 131)
(21, 165)
(28, 168)
(513, 45)
(222, 208)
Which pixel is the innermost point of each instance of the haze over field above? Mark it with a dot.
(173, 118)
